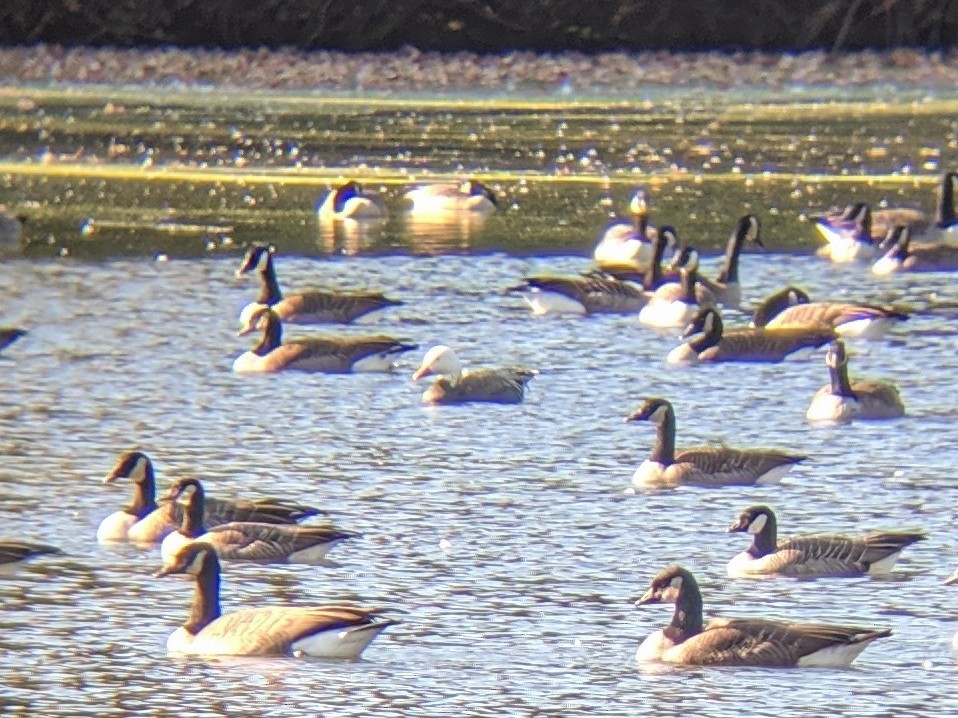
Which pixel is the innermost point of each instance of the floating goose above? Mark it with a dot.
(144, 521)
(841, 401)
(746, 345)
(675, 303)
(816, 555)
(312, 307)
(706, 465)
(245, 540)
(627, 246)
(9, 335)
(329, 354)
(14, 552)
(11, 229)
(880, 220)
(742, 641)
(317, 631)
(726, 287)
(348, 201)
(457, 386)
(791, 308)
(468, 196)
(903, 256)
(849, 236)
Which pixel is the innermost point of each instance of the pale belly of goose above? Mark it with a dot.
(546, 302)
(116, 527)
(342, 643)
(828, 408)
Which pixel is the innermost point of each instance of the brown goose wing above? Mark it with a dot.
(821, 556)
(878, 398)
(766, 344)
(721, 465)
(336, 307)
(270, 511)
(506, 385)
(267, 542)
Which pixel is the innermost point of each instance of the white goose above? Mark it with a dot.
(457, 386)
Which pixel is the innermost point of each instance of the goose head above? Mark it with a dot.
(258, 318)
(706, 321)
(748, 229)
(181, 486)
(133, 465)
(775, 304)
(258, 258)
(638, 205)
(439, 361)
(667, 586)
(475, 188)
(194, 559)
(752, 520)
(654, 410)
(836, 356)
(344, 193)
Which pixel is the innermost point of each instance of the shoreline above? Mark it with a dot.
(411, 70)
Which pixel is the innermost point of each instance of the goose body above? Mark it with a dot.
(675, 303)
(840, 400)
(468, 196)
(849, 235)
(726, 288)
(816, 555)
(246, 541)
(903, 256)
(349, 201)
(594, 293)
(714, 344)
(14, 552)
(313, 307)
(457, 386)
(144, 521)
(628, 246)
(688, 640)
(341, 632)
(791, 308)
(330, 354)
(9, 335)
(703, 466)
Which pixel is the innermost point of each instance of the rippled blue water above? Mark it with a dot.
(527, 610)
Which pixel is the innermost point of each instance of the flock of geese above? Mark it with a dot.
(641, 270)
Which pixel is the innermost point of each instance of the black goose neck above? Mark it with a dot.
(841, 385)
(144, 494)
(945, 215)
(663, 452)
(688, 278)
(272, 336)
(269, 292)
(709, 338)
(206, 597)
(687, 619)
(653, 275)
(192, 525)
(729, 271)
(766, 540)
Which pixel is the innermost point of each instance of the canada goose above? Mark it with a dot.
(742, 641)
(317, 631)
(903, 256)
(246, 540)
(330, 354)
(791, 308)
(706, 465)
(348, 201)
(726, 287)
(816, 555)
(145, 521)
(9, 335)
(675, 303)
(849, 236)
(841, 401)
(468, 196)
(594, 293)
(14, 552)
(313, 307)
(880, 221)
(627, 246)
(456, 386)
(11, 229)
(746, 345)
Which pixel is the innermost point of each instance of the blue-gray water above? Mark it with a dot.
(505, 538)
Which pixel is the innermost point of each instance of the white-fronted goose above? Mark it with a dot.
(313, 307)
(726, 287)
(714, 344)
(317, 631)
(687, 640)
(841, 401)
(14, 552)
(145, 521)
(457, 386)
(903, 256)
(816, 555)
(9, 335)
(791, 308)
(627, 246)
(329, 354)
(349, 201)
(245, 540)
(674, 304)
(443, 198)
(706, 465)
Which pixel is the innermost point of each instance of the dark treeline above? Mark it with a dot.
(486, 25)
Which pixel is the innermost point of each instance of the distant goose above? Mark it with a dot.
(841, 401)
(903, 256)
(244, 540)
(687, 640)
(145, 521)
(627, 246)
(457, 386)
(313, 307)
(791, 308)
(9, 335)
(14, 552)
(318, 631)
(329, 354)
(816, 555)
(713, 344)
(675, 303)
(849, 235)
(706, 465)
(879, 221)
(11, 229)
(726, 287)
(468, 196)
(349, 201)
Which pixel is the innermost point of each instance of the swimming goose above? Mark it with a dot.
(246, 540)
(687, 640)
(791, 308)
(841, 401)
(880, 220)
(145, 521)
(627, 246)
(313, 307)
(675, 303)
(816, 555)
(714, 344)
(706, 465)
(849, 236)
(348, 201)
(316, 631)
(14, 552)
(903, 256)
(329, 354)
(726, 287)
(468, 196)
(9, 335)
(456, 386)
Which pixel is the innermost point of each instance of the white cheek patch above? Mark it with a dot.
(263, 261)
(753, 228)
(676, 583)
(196, 565)
(758, 523)
(658, 416)
(139, 469)
(709, 323)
